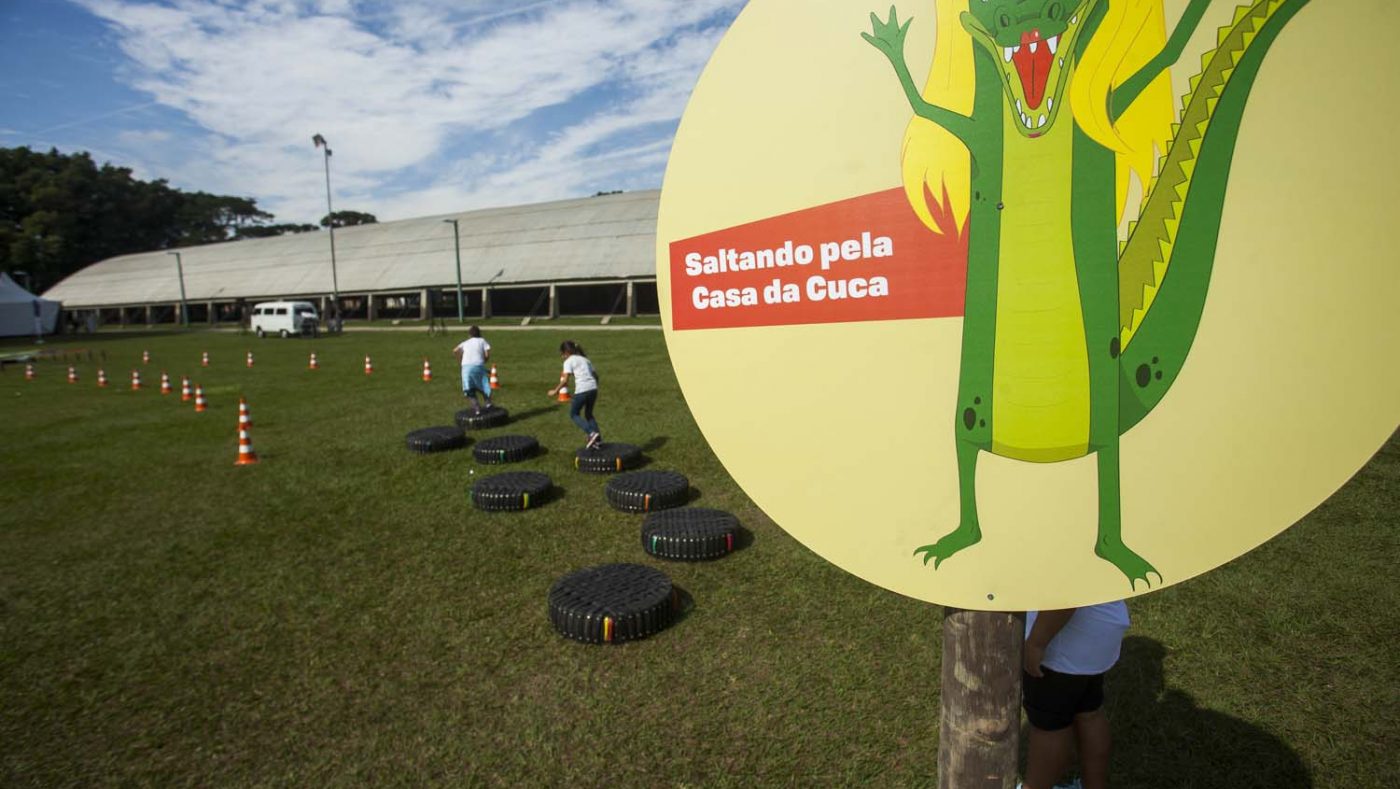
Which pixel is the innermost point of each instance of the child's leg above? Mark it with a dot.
(592, 397)
(1092, 734)
(1048, 755)
(575, 406)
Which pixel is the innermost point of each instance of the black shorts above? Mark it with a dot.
(1053, 700)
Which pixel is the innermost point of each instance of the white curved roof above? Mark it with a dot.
(608, 237)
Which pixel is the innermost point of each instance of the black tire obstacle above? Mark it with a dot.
(607, 458)
(436, 439)
(612, 603)
(505, 449)
(470, 419)
(647, 491)
(690, 534)
(511, 491)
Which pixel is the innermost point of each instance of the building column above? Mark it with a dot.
(425, 305)
(148, 315)
(553, 301)
(631, 299)
(213, 314)
(485, 303)
(370, 311)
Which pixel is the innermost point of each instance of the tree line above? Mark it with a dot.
(60, 212)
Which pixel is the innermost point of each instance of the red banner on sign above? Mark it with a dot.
(867, 258)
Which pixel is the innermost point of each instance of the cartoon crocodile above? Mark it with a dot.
(1069, 338)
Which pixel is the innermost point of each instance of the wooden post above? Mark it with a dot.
(981, 716)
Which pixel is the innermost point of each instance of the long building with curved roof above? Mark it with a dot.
(588, 255)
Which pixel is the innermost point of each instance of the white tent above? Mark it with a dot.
(21, 312)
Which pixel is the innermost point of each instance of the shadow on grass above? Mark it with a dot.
(654, 444)
(520, 416)
(1163, 739)
(685, 603)
(693, 495)
(743, 538)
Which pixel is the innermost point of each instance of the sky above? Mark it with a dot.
(429, 106)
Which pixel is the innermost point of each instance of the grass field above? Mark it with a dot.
(340, 614)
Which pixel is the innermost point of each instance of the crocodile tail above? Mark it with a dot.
(1179, 224)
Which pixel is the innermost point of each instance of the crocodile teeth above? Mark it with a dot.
(1018, 108)
(1040, 122)
(1033, 47)
(1007, 52)
(1074, 20)
(1049, 104)
(1053, 42)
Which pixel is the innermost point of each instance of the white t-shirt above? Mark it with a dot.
(582, 370)
(474, 351)
(1090, 641)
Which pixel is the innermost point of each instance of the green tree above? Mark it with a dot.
(61, 212)
(266, 231)
(347, 218)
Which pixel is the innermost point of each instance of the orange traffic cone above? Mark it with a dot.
(495, 382)
(427, 372)
(165, 383)
(29, 372)
(185, 394)
(369, 366)
(250, 358)
(313, 364)
(564, 394)
(246, 455)
(245, 419)
(135, 380)
(72, 374)
(102, 378)
(145, 357)
(204, 359)
(199, 404)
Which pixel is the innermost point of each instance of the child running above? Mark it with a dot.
(473, 354)
(585, 390)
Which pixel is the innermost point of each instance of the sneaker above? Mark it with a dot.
(594, 439)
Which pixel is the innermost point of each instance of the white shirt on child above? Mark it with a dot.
(474, 351)
(1090, 641)
(582, 370)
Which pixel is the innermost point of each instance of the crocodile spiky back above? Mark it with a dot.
(1146, 255)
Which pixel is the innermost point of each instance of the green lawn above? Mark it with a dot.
(340, 614)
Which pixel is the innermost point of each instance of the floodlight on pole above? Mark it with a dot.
(184, 305)
(320, 142)
(457, 248)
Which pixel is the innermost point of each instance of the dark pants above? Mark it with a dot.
(581, 411)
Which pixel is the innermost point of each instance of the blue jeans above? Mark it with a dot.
(581, 411)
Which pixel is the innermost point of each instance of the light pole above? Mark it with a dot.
(320, 142)
(457, 248)
(184, 305)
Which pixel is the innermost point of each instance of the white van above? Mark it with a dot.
(285, 318)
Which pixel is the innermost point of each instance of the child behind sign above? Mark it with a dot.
(1066, 655)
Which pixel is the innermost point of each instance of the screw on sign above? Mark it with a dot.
(1060, 464)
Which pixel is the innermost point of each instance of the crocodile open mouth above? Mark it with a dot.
(1033, 59)
(1035, 68)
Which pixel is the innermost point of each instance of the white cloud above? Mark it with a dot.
(497, 101)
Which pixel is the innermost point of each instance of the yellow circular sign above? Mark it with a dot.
(991, 311)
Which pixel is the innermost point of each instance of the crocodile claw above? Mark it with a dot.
(1128, 562)
(948, 545)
